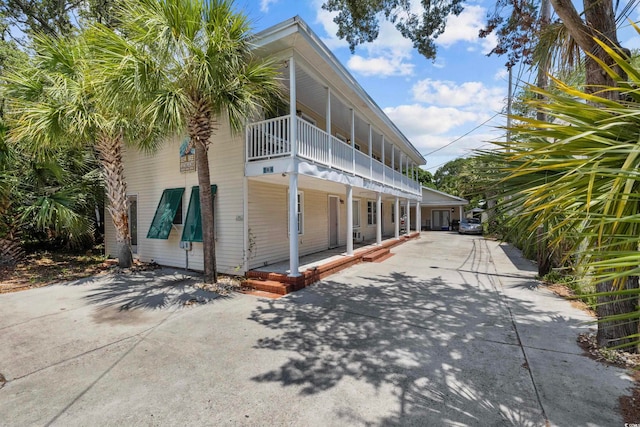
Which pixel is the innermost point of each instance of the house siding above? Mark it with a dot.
(147, 175)
(268, 223)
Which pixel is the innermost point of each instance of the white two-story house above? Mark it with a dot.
(329, 170)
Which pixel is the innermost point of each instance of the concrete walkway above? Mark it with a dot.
(452, 330)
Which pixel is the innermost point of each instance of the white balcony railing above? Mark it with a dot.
(270, 139)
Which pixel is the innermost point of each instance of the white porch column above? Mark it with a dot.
(349, 220)
(408, 225)
(396, 215)
(460, 212)
(294, 262)
(370, 151)
(393, 166)
(293, 131)
(353, 139)
(384, 169)
(328, 113)
(379, 219)
(401, 167)
(418, 217)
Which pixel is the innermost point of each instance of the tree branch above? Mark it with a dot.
(580, 32)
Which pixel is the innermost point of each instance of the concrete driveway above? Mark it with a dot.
(452, 330)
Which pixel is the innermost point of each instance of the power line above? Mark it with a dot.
(462, 136)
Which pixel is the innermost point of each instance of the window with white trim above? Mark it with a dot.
(371, 213)
(300, 205)
(356, 214)
(307, 118)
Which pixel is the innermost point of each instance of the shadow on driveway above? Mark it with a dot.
(155, 289)
(448, 351)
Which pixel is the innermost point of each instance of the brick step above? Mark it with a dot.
(265, 275)
(384, 258)
(374, 256)
(269, 286)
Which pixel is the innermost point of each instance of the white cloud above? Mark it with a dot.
(475, 96)
(264, 5)
(465, 28)
(632, 43)
(502, 74)
(325, 19)
(388, 55)
(382, 66)
(417, 120)
(439, 63)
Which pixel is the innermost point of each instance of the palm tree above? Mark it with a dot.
(190, 62)
(579, 174)
(56, 100)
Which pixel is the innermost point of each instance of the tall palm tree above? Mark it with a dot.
(190, 62)
(57, 99)
(579, 174)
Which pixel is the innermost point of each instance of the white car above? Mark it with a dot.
(470, 226)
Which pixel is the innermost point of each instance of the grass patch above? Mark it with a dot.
(42, 268)
(572, 283)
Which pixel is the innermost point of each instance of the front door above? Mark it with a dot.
(333, 221)
(440, 220)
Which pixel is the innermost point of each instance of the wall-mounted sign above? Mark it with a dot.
(187, 156)
(267, 169)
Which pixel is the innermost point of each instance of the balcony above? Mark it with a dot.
(269, 139)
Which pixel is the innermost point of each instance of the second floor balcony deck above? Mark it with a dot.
(269, 139)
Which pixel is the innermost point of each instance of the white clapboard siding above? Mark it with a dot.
(148, 175)
(268, 242)
(268, 223)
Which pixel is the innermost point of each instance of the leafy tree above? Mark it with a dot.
(516, 22)
(191, 64)
(425, 178)
(579, 176)
(358, 20)
(57, 101)
(54, 17)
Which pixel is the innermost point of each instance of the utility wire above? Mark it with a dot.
(462, 136)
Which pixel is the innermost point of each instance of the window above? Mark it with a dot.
(371, 213)
(133, 222)
(300, 213)
(356, 213)
(177, 219)
(192, 231)
(393, 213)
(300, 206)
(165, 215)
(307, 118)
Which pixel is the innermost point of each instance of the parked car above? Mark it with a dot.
(470, 226)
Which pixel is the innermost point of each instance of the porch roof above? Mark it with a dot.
(433, 197)
(294, 35)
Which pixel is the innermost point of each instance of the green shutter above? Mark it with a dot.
(192, 231)
(166, 211)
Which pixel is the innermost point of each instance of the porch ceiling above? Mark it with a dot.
(317, 68)
(314, 184)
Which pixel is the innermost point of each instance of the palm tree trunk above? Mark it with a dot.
(612, 333)
(600, 16)
(200, 130)
(109, 150)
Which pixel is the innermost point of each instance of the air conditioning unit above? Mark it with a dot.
(357, 236)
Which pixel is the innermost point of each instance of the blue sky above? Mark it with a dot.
(458, 97)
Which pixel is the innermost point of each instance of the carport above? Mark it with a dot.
(438, 210)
